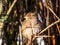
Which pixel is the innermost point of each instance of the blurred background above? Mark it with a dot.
(12, 15)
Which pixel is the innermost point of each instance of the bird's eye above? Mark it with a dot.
(24, 18)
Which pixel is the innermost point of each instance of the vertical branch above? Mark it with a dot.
(56, 5)
(20, 35)
(48, 22)
(59, 7)
(44, 3)
(53, 36)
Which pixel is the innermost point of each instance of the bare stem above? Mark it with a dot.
(43, 36)
(52, 12)
(49, 26)
(8, 12)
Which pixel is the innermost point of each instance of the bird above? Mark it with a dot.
(30, 26)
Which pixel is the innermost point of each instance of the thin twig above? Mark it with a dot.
(8, 12)
(52, 12)
(42, 36)
(49, 26)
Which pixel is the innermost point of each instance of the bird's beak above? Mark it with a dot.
(26, 17)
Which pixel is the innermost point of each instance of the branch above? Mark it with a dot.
(49, 26)
(8, 12)
(52, 12)
(54, 16)
(43, 36)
